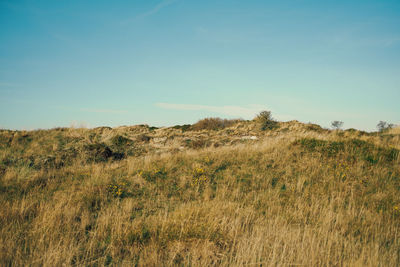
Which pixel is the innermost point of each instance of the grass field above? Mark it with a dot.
(295, 195)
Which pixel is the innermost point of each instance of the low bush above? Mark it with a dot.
(99, 152)
(143, 138)
(214, 124)
(119, 140)
(264, 118)
(183, 128)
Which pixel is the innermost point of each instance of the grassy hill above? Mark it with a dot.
(226, 193)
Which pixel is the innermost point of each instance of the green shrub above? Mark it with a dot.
(183, 128)
(119, 140)
(264, 118)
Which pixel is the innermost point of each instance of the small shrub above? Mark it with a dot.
(154, 175)
(199, 177)
(337, 125)
(214, 124)
(383, 126)
(120, 141)
(98, 152)
(117, 190)
(143, 138)
(183, 128)
(197, 144)
(314, 127)
(264, 118)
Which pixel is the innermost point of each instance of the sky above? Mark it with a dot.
(167, 62)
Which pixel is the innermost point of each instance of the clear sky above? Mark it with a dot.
(167, 62)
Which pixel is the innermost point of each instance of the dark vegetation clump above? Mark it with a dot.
(264, 118)
(146, 126)
(143, 138)
(183, 128)
(315, 128)
(99, 152)
(214, 124)
(196, 143)
(119, 141)
(122, 146)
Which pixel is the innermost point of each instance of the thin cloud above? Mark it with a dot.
(237, 111)
(151, 12)
(157, 8)
(110, 111)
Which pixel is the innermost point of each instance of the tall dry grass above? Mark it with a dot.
(292, 199)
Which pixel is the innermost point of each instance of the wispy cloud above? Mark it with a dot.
(150, 12)
(237, 111)
(110, 111)
(157, 8)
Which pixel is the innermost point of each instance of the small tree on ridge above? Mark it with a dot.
(383, 126)
(266, 121)
(337, 124)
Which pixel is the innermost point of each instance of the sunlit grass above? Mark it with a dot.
(294, 197)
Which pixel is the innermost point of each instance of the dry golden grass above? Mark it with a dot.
(303, 196)
(395, 130)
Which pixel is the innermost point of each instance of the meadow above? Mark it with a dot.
(232, 194)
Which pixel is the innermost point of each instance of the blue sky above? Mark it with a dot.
(170, 62)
